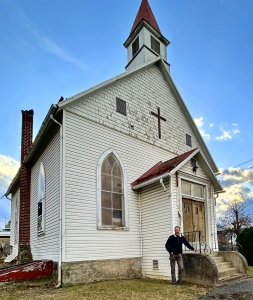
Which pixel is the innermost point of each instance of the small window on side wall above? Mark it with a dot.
(41, 200)
(188, 140)
(121, 106)
(135, 46)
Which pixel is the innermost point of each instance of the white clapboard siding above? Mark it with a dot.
(143, 92)
(156, 228)
(83, 241)
(15, 204)
(46, 246)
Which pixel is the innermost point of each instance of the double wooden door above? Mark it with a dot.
(194, 216)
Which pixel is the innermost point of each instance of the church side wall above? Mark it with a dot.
(156, 228)
(14, 214)
(46, 245)
(85, 142)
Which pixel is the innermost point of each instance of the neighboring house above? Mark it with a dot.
(112, 170)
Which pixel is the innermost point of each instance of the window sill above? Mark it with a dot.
(112, 228)
(41, 233)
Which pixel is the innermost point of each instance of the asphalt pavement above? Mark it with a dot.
(238, 290)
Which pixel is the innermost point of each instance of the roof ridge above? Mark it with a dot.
(145, 13)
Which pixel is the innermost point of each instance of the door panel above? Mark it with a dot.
(194, 216)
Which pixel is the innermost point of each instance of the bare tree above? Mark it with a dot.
(235, 217)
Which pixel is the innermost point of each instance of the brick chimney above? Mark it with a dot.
(24, 251)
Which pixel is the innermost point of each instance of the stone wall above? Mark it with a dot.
(89, 271)
(200, 269)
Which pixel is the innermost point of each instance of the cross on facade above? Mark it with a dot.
(159, 120)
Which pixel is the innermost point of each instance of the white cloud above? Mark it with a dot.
(198, 121)
(46, 43)
(235, 131)
(229, 179)
(234, 124)
(8, 169)
(211, 125)
(225, 136)
(204, 134)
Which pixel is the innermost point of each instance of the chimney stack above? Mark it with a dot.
(24, 252)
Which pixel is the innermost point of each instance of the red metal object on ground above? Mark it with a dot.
(29, 270)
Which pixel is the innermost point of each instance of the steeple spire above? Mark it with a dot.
(145, 42)
(145, 12)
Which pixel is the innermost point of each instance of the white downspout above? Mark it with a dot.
(141, 231)
(61, 193)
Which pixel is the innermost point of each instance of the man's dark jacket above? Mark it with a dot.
(174, 244)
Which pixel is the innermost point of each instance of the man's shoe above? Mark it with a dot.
(180, 283)
(173, 283)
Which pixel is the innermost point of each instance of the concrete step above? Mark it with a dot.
(224, 265)
(218, 259)
(234, 277)
(227, 272)
(214, 254)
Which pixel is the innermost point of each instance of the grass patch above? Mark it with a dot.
(119, 289)
(251, 272)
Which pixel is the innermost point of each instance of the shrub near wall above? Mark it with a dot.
(245, 239)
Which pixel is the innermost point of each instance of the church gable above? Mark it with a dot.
(150, 110)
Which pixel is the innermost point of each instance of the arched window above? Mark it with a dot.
(112, 209)
(41, 199)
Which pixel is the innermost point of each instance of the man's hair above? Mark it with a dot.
(177, 227)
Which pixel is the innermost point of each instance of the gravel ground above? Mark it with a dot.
(238, 290)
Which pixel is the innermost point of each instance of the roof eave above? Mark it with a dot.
(148, 182)
(137, 29)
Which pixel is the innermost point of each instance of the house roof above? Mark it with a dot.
(163, 167)
(170, 167)
(145, 12)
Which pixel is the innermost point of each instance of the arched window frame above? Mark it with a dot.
(99, 190)
(41, 200)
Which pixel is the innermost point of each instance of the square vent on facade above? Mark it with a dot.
(155, 265)
(121, 106)
(188, 140)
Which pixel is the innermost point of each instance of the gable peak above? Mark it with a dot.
(145, 12)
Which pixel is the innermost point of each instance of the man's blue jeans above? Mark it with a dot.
(173, 259)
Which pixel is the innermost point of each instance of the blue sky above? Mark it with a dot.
(58, 48)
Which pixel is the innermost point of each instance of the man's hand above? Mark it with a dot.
(171, 252)
(195, 250)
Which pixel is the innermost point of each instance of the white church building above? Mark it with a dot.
(113, 170)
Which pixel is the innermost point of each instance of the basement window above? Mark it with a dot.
(155, 265)
(135, 46)
(155, 45)
(41, 200)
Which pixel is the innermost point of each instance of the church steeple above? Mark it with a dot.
(145, 42)
(145, 12)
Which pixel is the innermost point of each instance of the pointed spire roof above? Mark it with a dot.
(145, 12)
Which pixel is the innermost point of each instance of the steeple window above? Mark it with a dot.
(135, 46)
(155, 45)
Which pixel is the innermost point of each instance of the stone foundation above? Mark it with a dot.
(98, 270)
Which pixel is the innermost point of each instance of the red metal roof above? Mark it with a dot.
(145, 12)
(162, 167)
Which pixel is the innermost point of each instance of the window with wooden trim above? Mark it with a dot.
(155, 45)
(112, 196)
(192, 189)
(41, 200)
(121, 106)
(135, 46)
(188, 140)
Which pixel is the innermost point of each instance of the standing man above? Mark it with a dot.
(174, 247)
